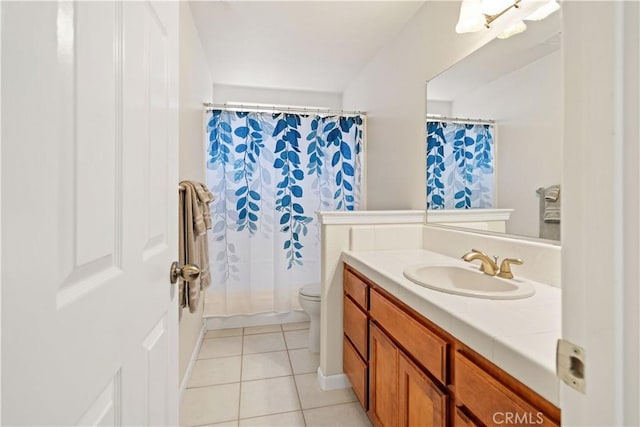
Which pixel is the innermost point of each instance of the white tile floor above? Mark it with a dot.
(263, 376)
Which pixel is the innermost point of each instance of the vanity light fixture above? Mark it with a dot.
(478, 14)
(516, 28)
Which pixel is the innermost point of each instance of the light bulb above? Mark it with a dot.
(471, 18)
(516, 28)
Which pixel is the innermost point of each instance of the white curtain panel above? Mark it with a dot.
(460, 165)
(270, 174)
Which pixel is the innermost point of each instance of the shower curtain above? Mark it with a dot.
(460, 171)
(269, 174)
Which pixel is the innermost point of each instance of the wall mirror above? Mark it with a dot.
(500, 111)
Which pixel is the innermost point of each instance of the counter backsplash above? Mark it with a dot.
(541, 260)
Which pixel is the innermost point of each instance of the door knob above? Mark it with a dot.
(188, 272)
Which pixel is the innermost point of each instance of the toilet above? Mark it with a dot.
(309, 297)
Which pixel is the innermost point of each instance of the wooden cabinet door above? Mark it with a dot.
(383, 379)
(421, 403)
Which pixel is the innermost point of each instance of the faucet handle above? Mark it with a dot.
(505, 267)
(480, 252)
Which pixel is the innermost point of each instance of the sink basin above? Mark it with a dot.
(469, 281)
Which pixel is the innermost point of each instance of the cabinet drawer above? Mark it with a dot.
(356, 370)
(356, 325)
(426, 347)
(356, 289)
(491, 402)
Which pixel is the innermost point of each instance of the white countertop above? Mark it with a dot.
(519, 336)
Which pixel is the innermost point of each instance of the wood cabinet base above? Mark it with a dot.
(414, 373)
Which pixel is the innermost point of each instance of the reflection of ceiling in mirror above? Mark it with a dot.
(497, 58)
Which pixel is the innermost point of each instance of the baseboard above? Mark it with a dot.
(192, 361)
(332, 382)
(247, 320)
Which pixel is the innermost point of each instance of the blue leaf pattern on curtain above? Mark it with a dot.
(459, 166)
(269, 174)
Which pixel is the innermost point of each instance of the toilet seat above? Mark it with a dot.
(310, 292)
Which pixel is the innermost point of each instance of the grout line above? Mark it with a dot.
(260, 326)
(264, 352)
(217, 422)
(251, 354)
(240, 388)
(255, 333)
(270, 351)
(295, 383)
(226, 336)
(269, 378)
(339, 404)
(293, 330)
(212, 385)
(242, 354)
(262, 333)
(275, 413)
(287, 345)
(218, 357)
(334, 404)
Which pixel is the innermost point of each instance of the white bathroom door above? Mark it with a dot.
(89, 213)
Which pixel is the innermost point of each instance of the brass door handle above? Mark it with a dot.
(188, 272)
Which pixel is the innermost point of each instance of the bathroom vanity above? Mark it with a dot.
(407, 369)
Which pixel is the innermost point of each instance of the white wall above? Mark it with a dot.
(0, 227)
(440, 108)
(254, 95)
(391, 89)
(527, 106)
(195, 88)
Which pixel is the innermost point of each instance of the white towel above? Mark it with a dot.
(552, 204)
(552, 193)
(195, 219)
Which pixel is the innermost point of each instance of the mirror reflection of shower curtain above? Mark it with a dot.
(460, 165)
(269, 174)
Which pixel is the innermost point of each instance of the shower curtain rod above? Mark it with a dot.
(460, 120)
(261, 108)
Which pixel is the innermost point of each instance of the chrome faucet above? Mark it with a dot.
(489, 266)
